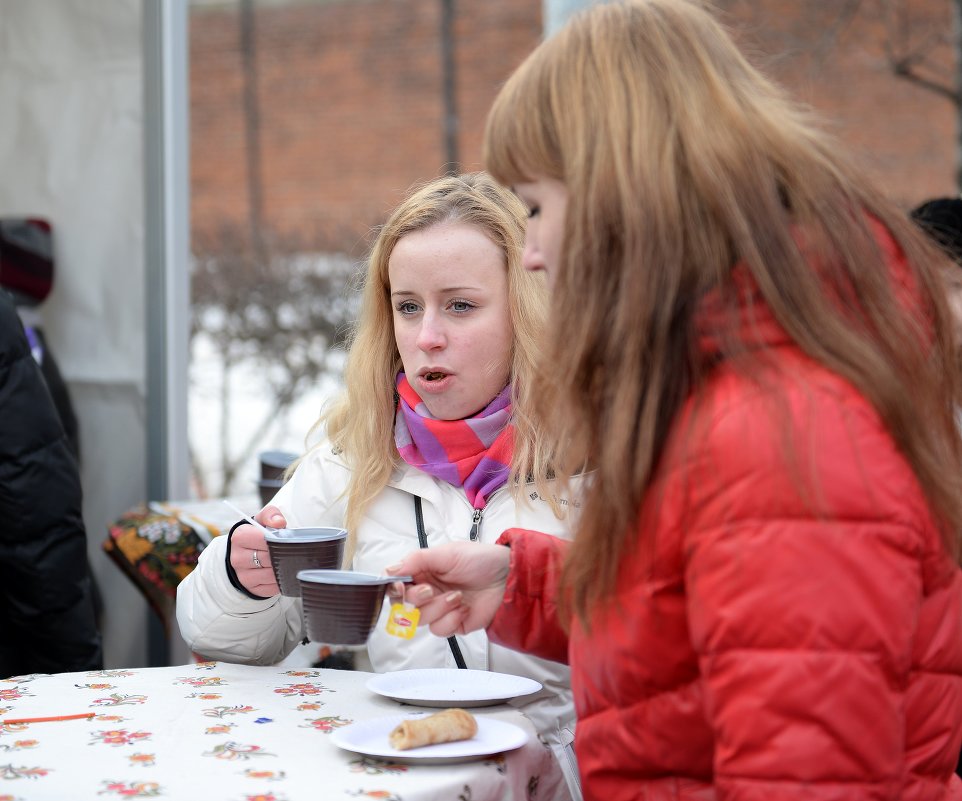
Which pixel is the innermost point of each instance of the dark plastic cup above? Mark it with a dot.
(267, 488)
(295, 549)
(274, 463)
(341, 607)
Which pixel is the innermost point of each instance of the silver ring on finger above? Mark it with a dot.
(255, 561)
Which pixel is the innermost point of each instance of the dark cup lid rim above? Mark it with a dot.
(348, 577)
(330, 533)
(276, 458)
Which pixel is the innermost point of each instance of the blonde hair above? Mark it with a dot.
(361, 423)
(681, 160)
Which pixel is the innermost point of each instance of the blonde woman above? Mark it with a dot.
(749, 346)
(441, 362)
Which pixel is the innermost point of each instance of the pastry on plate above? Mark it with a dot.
(448, 726)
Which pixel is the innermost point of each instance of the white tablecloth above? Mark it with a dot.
(218, 731)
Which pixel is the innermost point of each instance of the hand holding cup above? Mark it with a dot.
(249, 555)
(457, 586)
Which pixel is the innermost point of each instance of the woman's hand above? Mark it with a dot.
(458, 586)
(249, 555)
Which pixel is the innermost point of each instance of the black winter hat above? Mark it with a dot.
(26, 259)
(942, 219)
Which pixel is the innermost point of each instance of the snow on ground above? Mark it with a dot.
(249, 405)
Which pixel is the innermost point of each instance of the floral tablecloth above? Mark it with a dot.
(234, 733)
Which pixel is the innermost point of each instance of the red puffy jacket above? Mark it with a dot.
(785, 643)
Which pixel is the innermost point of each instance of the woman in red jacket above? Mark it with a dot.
(751, 354)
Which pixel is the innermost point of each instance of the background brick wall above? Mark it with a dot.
(350, 107)
(351, 113)
(902, 134)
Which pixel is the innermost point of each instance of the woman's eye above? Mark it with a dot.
(407, 307)
(461, 306)
(533, 211)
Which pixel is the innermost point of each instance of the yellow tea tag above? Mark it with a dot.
(402, 621)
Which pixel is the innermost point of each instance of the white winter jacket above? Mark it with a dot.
(219, 622)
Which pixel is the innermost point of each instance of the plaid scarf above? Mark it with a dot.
(474, 453)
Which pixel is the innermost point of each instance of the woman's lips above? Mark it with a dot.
(434, 381)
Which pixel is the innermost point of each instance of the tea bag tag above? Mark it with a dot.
(402, 620)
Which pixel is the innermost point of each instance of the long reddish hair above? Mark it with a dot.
(681, 160)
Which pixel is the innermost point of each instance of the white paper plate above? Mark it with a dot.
(444, 687)
(370, 737)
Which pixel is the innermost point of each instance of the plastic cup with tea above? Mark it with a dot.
(342, 606)
(295, 549)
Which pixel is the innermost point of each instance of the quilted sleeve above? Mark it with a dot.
(804, 590)
(528, 619)
(48, 614)
(217, 621)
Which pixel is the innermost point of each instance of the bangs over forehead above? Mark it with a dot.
(520, 138)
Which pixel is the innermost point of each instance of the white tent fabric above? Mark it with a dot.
(71, 147)
(72, 150)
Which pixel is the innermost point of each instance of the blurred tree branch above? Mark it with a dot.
(283, 312)
(915, 45)
(919, 43)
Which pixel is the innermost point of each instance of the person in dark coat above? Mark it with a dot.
(46, 609)
(941, 218)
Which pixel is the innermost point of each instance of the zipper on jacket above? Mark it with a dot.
(476, 524)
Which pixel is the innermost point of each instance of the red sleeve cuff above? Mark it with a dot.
(528, 617)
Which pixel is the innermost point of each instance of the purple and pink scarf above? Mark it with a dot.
(474, 453)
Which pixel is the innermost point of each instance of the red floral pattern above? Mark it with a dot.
(302, 690)
(118, 699)
(232, 750)
(118, 737)
(131, 789)
(327, 724)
